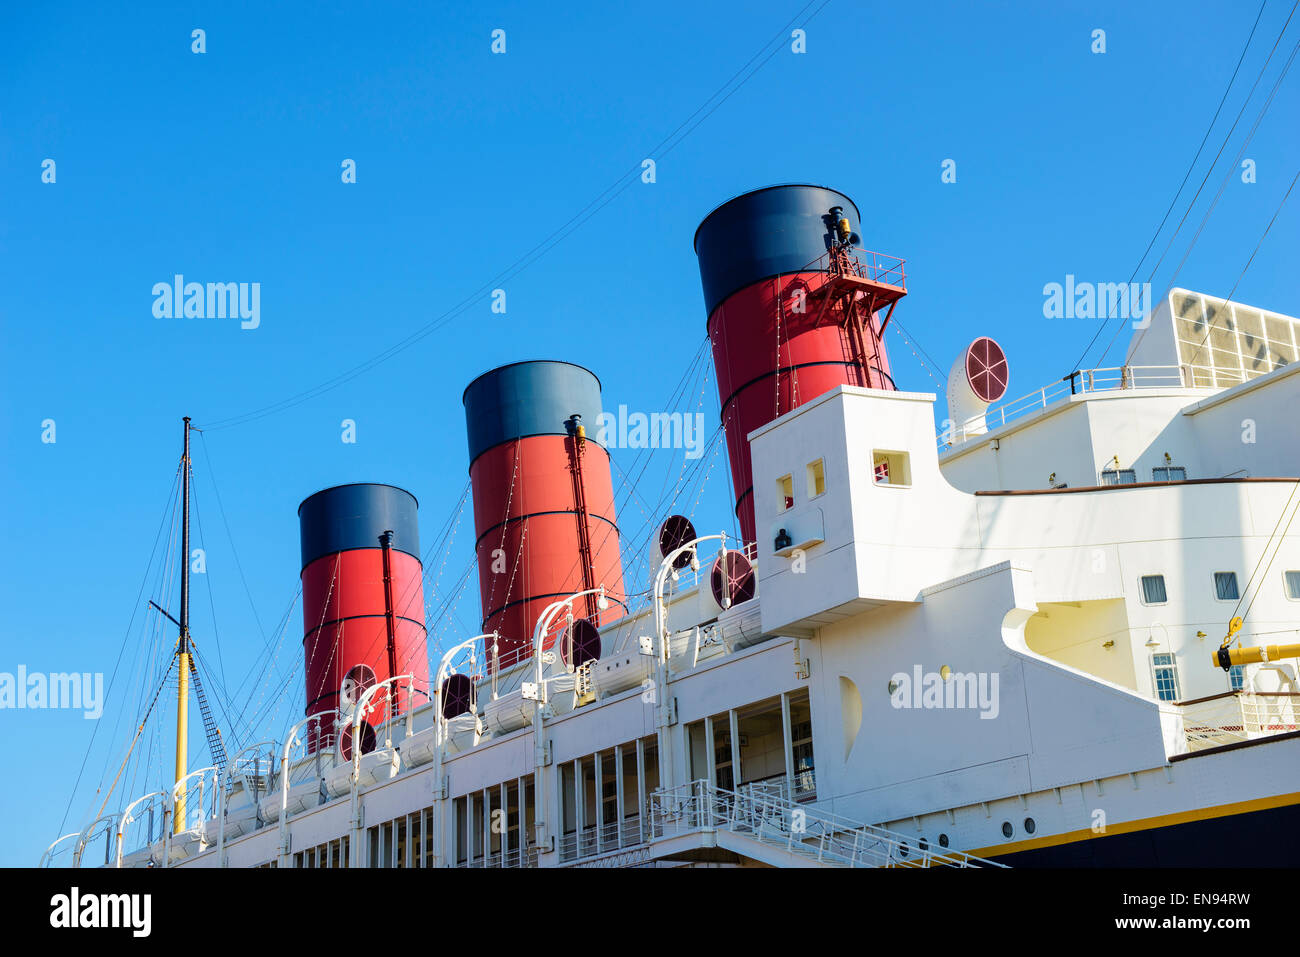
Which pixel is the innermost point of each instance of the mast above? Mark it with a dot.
(183, 643)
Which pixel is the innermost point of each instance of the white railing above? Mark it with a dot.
(1079, 383)
(762, 814)
(593, 840)
(527, 857)
(1237, 716)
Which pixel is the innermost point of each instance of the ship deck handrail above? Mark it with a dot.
(1079, 382)
(1235, 716)
(866, 264)
(808, 831)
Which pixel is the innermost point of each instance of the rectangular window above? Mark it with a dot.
(785, 492)
(1171, 473)
(1118, 477)
(1165, 671)
(816, 478)
(1237, 677)
(1292, 581)
(890, 468)
(722, 752)
(1225, 586)
(1153, 590)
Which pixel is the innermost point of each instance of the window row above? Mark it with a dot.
(603, 798)
(330, 854)
(767, 743)
(1164, 675)
(1163, 473)
(1225, 587)
(815, 483)
(887, 468)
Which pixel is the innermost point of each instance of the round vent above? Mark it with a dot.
(675, 532)
(345, 740)
(457, 696)
(358, 680)
(732, 579)
(986, 369)
(580, 644)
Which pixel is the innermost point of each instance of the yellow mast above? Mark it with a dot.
(183, 644)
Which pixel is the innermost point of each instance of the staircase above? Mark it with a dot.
(763, 824)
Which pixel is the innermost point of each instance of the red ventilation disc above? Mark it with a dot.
(736, 583)
(675, 532)
(986, 369)
(367, 740)
(584, 639)
(457, 696)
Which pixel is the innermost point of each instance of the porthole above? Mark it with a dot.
(943, 840)
(903, 850)
(925, 845)
(1007, 829)
(1030, 826)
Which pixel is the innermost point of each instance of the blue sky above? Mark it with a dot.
(225, 166)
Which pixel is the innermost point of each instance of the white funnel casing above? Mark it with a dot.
(977, 379)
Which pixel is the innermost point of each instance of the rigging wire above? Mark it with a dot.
(221, 508)
(1273, 535)
(611, 192)
(135, 607)
(1186, 176)
(138, 730)
(1249, 261)
(914, 345)
(1228, 136)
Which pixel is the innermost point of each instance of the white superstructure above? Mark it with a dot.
(983, 644)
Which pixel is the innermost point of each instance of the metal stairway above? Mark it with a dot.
(763, 824)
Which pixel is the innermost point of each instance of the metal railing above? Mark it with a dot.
(593, 840)
(1238, 716)
(764, 815)
(863, 263)
(1082, 382)
(514, 857)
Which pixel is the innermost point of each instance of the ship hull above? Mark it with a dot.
(1266, 837)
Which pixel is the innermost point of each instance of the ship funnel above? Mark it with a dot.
(544, 516)
(977, 379)
(362, 600)
(795, 310)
